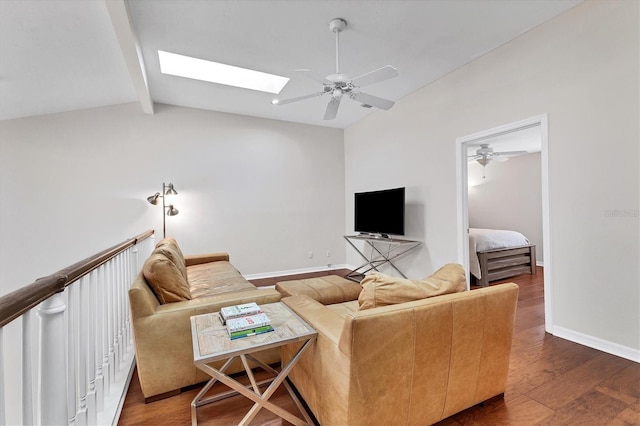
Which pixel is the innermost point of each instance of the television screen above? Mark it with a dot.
(380, 212)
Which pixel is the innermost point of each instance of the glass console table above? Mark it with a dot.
(384, 250)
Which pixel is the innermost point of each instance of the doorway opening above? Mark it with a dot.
(487, 149)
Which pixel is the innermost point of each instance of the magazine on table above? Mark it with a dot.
(251, 332)
(238, 311)
(245, 320)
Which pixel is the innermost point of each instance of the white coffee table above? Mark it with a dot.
(211, 343)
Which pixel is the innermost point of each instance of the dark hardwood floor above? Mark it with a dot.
(551, 382)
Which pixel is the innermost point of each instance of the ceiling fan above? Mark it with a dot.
(485, 154)
(339, 85)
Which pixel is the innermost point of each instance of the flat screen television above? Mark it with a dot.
(380, 212)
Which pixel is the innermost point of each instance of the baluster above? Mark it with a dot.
(132, 276)
(99, 330)
(123, 311)
(72, 330)
(113, 366)
(106, 349)
(114, 315)
(27, 374)
(118, 309)
(53, 384)
(90, 347)
(121, 322)
(130, 256)
(81, 351)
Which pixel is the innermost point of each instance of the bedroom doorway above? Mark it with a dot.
(490, 149)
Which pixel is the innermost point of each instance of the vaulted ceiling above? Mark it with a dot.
(64, 55)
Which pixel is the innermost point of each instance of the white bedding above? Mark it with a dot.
(487, 239)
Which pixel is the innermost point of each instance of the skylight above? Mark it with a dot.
(214, 72)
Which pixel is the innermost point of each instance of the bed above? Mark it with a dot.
(495, 254)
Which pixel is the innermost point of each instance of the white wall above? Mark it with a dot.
(508, 197)
(72, 184)
(582, 69)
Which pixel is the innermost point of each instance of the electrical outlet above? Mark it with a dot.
(310, 255)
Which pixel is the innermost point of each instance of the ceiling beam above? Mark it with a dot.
(123, 27)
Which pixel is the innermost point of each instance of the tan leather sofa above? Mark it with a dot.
(165, 294)
(411, 363)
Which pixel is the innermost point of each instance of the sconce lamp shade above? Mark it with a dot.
(170, 190)
(172, 211)
(153, 199)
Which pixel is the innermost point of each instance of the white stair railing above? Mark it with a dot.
(74, 359)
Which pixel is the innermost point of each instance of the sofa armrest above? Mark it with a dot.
(163, 345)
(322, 319)
(197, 259)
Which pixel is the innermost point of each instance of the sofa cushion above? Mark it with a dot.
(170, 241)
(165, 279)
(208, 279)
(169, 247)
(380, 290)
(328, 289)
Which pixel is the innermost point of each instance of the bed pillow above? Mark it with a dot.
(379, 289)
(165, 279)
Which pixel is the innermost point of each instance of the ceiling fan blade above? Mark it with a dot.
(372, 100)
(332, 108)
(296, 99)
(313, 76)
(504, 153)
(375, 76)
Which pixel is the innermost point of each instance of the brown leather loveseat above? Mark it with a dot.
(169, 290)
(404, 361)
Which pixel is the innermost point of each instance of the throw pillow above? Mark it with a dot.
(379, 289)
(170, 241)
(172, 252)
(165, 279)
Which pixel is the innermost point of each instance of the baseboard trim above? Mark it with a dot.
(597, 343)
(118, 392)
(250, 277)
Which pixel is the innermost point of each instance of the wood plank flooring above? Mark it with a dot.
(551, 382)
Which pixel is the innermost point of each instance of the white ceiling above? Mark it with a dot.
(64, 55)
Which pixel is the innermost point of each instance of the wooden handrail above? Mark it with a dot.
(18, 302)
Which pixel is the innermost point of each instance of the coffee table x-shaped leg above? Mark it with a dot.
(252, 391)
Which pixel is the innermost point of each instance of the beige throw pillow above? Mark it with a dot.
(165, 279)
(380, 290)
(169, 248)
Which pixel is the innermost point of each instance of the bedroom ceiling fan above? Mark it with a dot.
(339, 84)
(485, 154)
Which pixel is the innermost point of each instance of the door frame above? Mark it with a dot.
(462, 191)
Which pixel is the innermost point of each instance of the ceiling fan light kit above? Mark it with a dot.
(339, 84)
